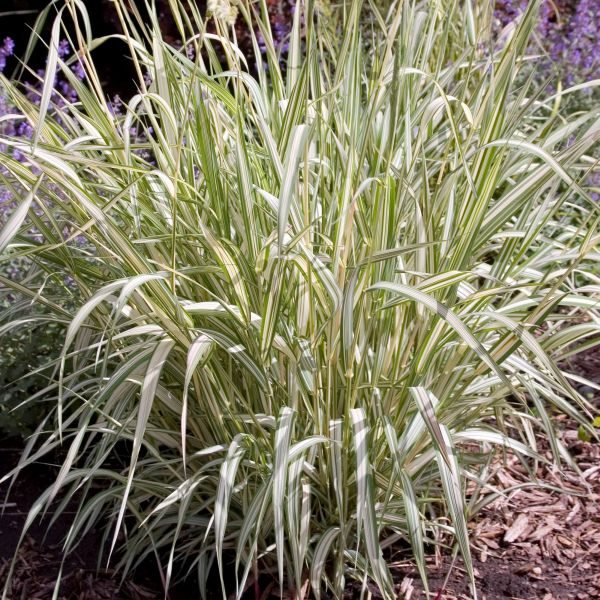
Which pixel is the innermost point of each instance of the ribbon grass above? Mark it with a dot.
(314, 294)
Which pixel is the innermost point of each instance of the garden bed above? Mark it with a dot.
(39, 557)
(534, 543)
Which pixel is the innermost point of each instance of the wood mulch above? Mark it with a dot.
(37, 567)
(541, 543)
(39, 558)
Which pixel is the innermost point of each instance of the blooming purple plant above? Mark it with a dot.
(593, 182)
(584, 42)
(7, 49)
(7, 127)
(19, 128)
(63, 93)
(63, 90)
(280, 17)
(569, 32)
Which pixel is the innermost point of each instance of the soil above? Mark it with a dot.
(530, 542)
(39, 557)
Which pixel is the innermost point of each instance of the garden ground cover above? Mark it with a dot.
(535, 543)
(532, 544)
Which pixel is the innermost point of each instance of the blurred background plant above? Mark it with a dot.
(567, 39)
(27, 352)
(28, 349)
(303, 299)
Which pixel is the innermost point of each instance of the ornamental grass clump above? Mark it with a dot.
(313, 298)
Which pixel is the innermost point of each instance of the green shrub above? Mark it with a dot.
(22, 374)
(319, 296)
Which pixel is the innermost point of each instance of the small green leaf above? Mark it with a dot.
(583, 435)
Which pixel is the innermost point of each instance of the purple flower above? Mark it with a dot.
(63, 49)
(25, 130)
(79, 70)
(19, 156)
(5, 200)
(568, 32)
(9, 46)
(115, 105)
(7, 49)
(593, 181)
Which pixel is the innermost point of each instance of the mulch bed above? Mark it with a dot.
(39, 558)
(539, 543)
(35, 573)
(531, 543)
